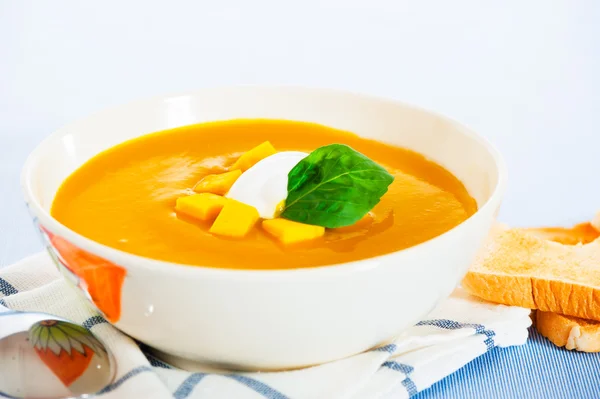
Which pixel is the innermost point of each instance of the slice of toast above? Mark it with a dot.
(568, 252)
(570, 332)
(521, 267)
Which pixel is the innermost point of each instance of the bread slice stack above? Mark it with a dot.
(555, 271)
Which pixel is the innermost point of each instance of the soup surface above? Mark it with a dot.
(125, 198)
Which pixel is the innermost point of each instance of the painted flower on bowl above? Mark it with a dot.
(100, 280)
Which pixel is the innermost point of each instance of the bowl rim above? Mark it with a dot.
(129, 260)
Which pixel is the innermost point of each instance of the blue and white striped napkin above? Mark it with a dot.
(459, 330)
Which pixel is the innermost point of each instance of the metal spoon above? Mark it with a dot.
(45, 356)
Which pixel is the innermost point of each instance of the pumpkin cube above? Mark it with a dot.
(205, 206)
(235, 220)
(290, 232)
(217, 184)
(250, 158)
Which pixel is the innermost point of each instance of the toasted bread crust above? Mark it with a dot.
(528, 292)
(500, 277)
(567, 298)
(571, 332)
(500, 288)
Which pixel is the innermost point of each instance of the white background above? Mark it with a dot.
(525, 74)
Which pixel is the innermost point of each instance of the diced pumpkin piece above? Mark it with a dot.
(235, 220)
(290, 232)
(251, 157)
(205, 206)
(217, 184)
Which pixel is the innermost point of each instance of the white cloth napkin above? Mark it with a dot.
(458, 331)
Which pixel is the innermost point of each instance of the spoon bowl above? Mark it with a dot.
(45, 356)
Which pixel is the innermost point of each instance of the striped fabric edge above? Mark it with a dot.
(390, 348)
(407, 383)
(188, 385)
(257, 386)
(7, 288)
(155, 362)
(93, 321)
(447, 324)
(130, 374)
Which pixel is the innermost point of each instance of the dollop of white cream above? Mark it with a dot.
(264, 185)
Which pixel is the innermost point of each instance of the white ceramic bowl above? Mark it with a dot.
(253, 319)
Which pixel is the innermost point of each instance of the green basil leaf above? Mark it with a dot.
(334, 186)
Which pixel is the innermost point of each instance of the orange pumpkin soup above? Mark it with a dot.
(125, 198)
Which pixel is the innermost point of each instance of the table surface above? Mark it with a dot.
(523, 74)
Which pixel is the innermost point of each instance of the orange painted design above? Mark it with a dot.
(67, 367)
(104, 279)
